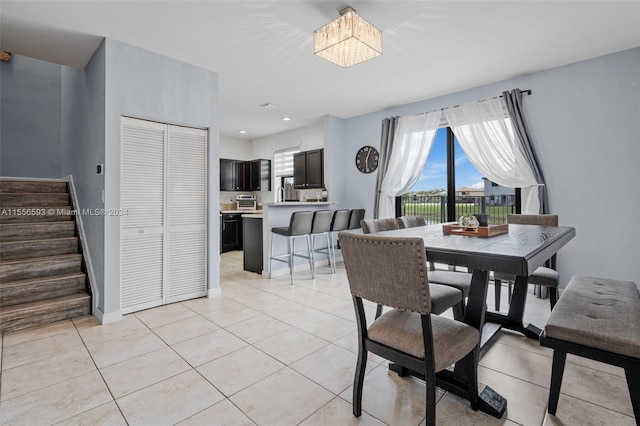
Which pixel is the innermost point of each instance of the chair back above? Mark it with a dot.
(300, 223)
(373, 226)
(533, 219)
(390, 271)
(411, 221)
(355, 217)
(321, 221)
(340, 220)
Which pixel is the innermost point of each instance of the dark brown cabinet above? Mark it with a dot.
(242, 171)
(236, 175)
(231, 232)
(260, 175)
(308, 169)
(227, 174)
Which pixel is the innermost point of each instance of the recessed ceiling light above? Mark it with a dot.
(286, 118)
(242, 132)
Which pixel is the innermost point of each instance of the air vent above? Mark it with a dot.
(269, 106)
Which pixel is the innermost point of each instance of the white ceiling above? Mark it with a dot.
(263, 51)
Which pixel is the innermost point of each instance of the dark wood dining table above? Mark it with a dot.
(520, 251)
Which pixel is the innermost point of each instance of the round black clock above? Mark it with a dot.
(367, 159)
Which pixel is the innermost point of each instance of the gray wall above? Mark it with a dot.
(143, 84)
(584, 123)
(30, 97)
(83, 109)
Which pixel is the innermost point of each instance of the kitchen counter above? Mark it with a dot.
(241, 211)
(298, 203)
(252, 215)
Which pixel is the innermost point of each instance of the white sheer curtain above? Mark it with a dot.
(485, 133)
(411, 145)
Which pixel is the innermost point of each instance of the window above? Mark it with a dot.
(283, 161)
(494, 184)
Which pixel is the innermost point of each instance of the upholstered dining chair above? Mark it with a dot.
(459, 280)
(545, 276)
(392, 271)
(443, 296)
(371, 226)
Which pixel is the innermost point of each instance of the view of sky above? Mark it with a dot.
(434, 174)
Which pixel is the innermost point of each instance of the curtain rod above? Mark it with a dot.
(525, 92)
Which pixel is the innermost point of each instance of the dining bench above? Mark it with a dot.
(596, 318)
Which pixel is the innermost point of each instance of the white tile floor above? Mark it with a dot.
(265, 352)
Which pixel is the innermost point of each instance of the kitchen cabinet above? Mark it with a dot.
(242, 172)
(230, 232)
(252, 244)
(227, 174)
(236, 175)
(260, 175)
(308, 169)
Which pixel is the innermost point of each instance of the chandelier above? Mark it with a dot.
(348, 40)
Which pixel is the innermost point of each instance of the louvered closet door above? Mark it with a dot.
(142, 194)
(186, 213)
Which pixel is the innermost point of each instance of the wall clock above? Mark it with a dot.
(367, 159)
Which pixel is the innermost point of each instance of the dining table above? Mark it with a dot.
(519, 251)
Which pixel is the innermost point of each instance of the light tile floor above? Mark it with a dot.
(265, 352)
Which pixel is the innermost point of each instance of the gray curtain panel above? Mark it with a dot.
(521, 132)
(386, 145)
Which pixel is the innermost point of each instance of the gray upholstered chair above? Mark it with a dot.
(299, 227)
(339, 222)
(459, 280)
(545, 276)
(443, 296)
(372, 226)
(355, 217)
(320, 227)
(392, 271)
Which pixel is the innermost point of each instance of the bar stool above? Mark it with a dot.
(355, 217)
(299, 226)
(321, 226)
(339, 222)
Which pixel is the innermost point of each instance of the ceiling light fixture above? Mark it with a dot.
(242, 132)
(347, 40)
(286, 118)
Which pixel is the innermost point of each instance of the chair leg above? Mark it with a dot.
(331, 265)
(378, 311)
(633, 383)
(310, 254)
(358, 381)
(291, 245)
(553, 296)
(557, 370)
(270, 254)
(498, 289)
(458, 311)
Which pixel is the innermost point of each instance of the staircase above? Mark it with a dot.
(41, 265)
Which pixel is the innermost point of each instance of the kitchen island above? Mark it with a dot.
(278, 215)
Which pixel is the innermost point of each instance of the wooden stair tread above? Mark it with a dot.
(17, 283)
(13, 186)
(70, 256)
(43, 306)
(12, 309)
(49, 240)
(19, 224)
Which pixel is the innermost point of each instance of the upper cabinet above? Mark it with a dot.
(236, 175)
(308, 169)
(227, 175)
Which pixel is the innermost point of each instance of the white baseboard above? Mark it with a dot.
(213, 292)
(108, 317)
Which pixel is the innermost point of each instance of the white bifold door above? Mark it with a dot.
(164, 225)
